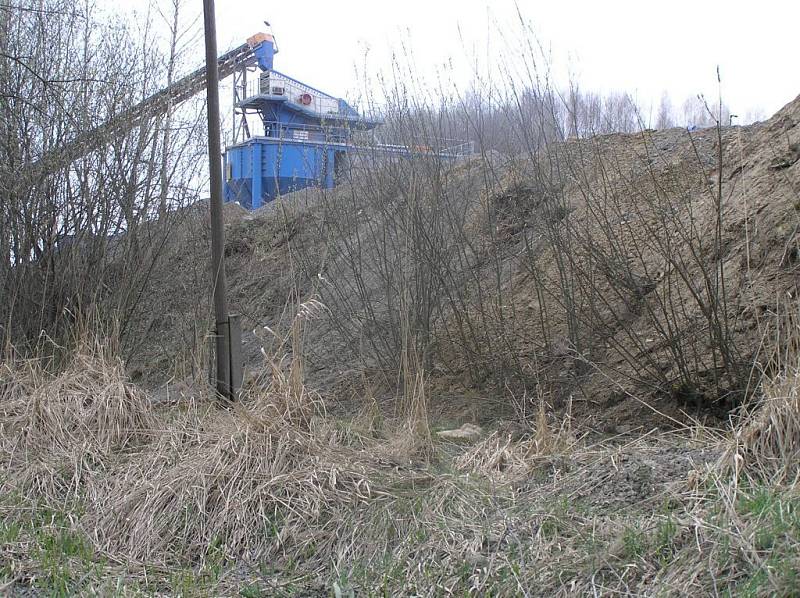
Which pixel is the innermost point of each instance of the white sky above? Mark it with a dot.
(643, 47)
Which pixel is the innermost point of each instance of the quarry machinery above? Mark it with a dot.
(306, 134)
(308, 137)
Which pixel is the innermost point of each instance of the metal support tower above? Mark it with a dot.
(241, 130)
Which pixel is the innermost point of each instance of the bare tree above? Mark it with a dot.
(76, 234)
(664, 117)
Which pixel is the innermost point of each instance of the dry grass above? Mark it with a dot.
(546, 514)
(512, 459)
(253, 485)
(413, 440)
(57, 429)
(260, 481)
(768, 442)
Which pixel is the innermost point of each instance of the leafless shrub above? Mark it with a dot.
(568, 251)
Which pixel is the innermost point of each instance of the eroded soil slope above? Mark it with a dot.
(625, 277)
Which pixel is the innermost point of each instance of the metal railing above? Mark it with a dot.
(306, 132)
(340, 135)
(279, 85)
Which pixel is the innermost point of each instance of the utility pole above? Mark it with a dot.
(222, 328)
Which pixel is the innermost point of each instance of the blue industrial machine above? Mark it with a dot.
(307, 133)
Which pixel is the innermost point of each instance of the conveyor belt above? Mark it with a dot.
(156, 104)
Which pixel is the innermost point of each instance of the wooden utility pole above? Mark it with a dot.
(222, 328)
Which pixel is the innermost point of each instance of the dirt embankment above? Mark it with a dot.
(630, 278)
